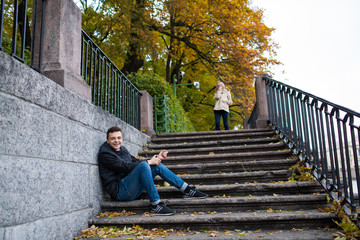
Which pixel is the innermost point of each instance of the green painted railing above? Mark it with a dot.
(161, 114)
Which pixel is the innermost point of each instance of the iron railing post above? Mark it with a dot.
(1, 22)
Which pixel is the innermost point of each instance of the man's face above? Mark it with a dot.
(115, 140)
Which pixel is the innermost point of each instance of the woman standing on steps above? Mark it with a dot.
(221, 109)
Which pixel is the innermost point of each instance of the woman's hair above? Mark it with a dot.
(219, 83)
(111, 130)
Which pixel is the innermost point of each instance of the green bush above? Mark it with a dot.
(157, 86)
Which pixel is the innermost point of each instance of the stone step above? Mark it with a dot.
(231, 178)
(252, 234)
(223, 166)
(227, 204)
(310, 219)
(246, 189)
(217, 150)
(212, 133)
(219, 143)
(245, 173)
(213, 137)
(229, 157)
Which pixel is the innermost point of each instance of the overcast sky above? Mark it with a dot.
(319, 46)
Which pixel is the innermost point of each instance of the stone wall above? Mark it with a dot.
(49, 181)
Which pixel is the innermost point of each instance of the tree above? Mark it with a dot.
(208, 40)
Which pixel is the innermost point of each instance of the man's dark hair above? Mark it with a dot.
(111, 130)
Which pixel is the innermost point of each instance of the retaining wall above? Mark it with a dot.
(49, 138)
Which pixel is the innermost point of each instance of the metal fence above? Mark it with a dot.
(323, 134)
(110, 89)
(161, 114)
(18, 30)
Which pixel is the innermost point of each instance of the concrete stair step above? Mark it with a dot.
(245, 173)
(220, 221)
(246, 189)
(217, 150)
(221, 166)
(230, 178)
(227, 204)
(229, 157)
(213, 133)
(201, 144)
(224, 135)
(252, 234)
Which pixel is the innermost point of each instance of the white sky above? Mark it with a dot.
(319, 46)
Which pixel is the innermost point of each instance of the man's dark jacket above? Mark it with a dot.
(113, 166)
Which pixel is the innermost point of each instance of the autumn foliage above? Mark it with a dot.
(204, 41)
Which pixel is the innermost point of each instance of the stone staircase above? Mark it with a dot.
(245, 173)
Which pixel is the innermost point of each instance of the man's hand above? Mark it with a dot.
(155, 160)
(163, 154)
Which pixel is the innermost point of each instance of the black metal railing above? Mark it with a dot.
(325, 135)
(18, 30)
(110, 89)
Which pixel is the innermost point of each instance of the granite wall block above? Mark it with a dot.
(39, 188)
(28, 130)
(57, 227)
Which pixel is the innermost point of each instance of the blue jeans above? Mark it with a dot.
(225, 115)
(141, 179)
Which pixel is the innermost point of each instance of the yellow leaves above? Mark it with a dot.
(270, 210)
(116, 214)
(243, 234)
(212, 233)
(137, 231)
(201, 213)
(226, 213)
(278, 232)
(350, 229)
(223, 196)
(255, 182)
(298, 229)
(104, 232)
(213, 212)
(146, 214)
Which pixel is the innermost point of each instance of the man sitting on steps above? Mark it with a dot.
(125, 177)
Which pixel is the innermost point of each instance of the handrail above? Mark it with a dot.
(110, 88)
(15, 39)
(161, 114)
(323, 134)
